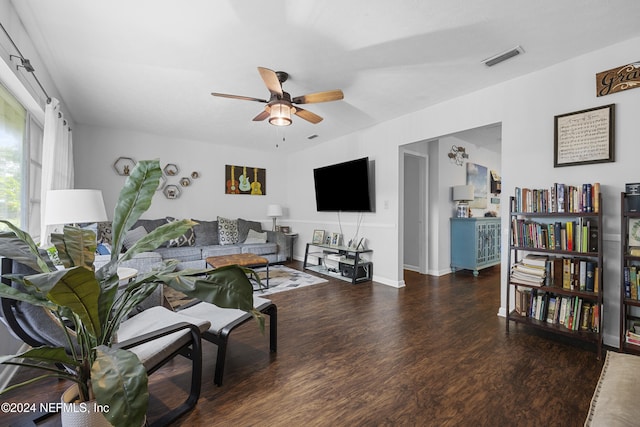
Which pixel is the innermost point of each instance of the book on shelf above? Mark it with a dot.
(571, 312)
(575, 236)
(559, 198)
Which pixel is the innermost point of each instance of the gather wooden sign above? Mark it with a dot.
(618, 79)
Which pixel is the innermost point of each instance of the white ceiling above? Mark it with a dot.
(150, 65)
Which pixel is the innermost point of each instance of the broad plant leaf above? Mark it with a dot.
(43, 354)
(157, 237)
(79, 290)
(10, 292)
(119, 380)
(135, 199)
(76, 246)
(19, 246)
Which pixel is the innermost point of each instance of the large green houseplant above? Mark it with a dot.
(88, 298)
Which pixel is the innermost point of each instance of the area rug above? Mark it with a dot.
(615, 400)
(282, 278)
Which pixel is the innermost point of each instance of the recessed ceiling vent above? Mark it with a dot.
(496, 59)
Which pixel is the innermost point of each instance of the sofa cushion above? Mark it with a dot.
(133, 235)
(187, 239)
(244, 226)
(260, 248)
(255, 237)
(183, 253)
(206, 232)
(218, 250)
(227, 231)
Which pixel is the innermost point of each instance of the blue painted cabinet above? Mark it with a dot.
(475, 243)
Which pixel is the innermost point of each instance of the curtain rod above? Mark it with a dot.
(25, 63)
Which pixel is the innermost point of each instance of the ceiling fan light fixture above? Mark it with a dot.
(280, 114)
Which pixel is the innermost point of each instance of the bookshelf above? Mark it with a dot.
(629, 279)
(555, 261)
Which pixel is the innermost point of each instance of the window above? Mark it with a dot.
(20, 165)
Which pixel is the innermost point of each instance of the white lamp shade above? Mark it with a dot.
(274, 210)
(74, 207)
(463, 193)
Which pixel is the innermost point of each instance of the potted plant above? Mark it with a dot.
(91, 301)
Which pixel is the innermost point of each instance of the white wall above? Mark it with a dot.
(96, 149)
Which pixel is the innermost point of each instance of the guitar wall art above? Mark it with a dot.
(245, 180)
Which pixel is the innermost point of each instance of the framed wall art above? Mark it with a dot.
(245, 180)
(584, 137)
(477, 175)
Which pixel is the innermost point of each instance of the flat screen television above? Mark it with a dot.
(345, 187)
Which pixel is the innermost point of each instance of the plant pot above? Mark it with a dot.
(80, 414)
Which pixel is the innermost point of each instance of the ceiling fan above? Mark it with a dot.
(280, 104)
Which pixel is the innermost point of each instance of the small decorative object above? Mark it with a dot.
(162, 182)
(584, 137)
(285, 229)
(336, 239)
(462, 194)
(171, 169)
(124, 165)
(457, 155)
(496, 182)
(185, 181)
(195, 175)
(327, 239)
(634, 232)
(318, 236)
(171, 192)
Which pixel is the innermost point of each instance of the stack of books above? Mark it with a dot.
(531, 271)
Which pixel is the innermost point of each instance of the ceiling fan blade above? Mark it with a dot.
(260, 117)
(326, 96)
(244, 98)
(308, 115)
(270, 79)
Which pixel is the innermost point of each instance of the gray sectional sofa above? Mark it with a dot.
(206, 239)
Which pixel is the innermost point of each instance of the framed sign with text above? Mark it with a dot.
(584, 137)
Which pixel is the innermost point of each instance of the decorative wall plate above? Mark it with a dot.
(171, 191)
(124, 165)
(171, 169)
(195, 175)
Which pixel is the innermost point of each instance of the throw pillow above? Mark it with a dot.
(206, 232)
(187, 239)
(133, 236)
(227, 231)
(255, 237)
(104, 232)
(244, 226)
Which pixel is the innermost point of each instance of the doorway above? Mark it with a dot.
(415, 211)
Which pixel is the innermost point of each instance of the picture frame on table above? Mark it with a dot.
(634, 232)
(336, 239)
(318, 236)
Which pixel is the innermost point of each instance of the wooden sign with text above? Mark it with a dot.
(618, 79)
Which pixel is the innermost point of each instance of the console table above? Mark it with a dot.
(475, 243)
(350, 266)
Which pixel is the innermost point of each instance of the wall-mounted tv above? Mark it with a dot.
(346, 187)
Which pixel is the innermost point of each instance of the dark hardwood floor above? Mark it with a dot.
(432, 353)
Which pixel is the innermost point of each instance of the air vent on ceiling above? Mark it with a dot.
(496, 59)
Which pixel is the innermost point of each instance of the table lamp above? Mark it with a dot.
(74, 206)
(462, 194)
(274, 211)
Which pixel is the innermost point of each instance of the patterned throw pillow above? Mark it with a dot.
(254, 237)
(227, 231)
(187, 239)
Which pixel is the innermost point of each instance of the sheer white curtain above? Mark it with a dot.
(57, 160)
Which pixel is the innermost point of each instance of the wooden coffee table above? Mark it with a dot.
(244, 260)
